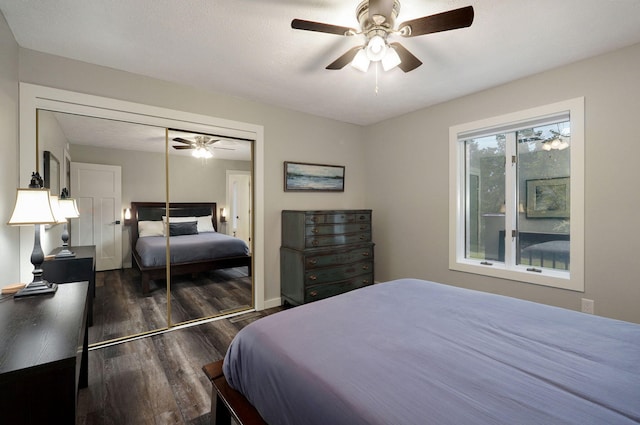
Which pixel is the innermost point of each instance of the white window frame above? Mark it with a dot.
(572, 279)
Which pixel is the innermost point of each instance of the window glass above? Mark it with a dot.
(517, 196)
(544, 168)
(485, 177)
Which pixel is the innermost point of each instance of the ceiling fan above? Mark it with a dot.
(200, 144)
(377, 23)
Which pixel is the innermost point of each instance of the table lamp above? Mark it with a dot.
(68, 209)
(33, 207)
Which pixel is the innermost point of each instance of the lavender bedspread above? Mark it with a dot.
(186, 248)
(417, 352)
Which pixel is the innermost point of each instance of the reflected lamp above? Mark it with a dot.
(67, 208)
(33, 208)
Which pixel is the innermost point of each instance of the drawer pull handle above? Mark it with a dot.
(362, 237)
(314, 218)
(313, 293)
(362, 217)
(365, 281)
(313, 261)
(315, 243)
(313, 277)
(365, 267)
(365, 254)
(363, 227)
(315, 231)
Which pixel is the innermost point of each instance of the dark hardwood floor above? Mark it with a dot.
(121, 310)
(157, 379)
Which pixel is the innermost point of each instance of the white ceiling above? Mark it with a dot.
(247, 48)
(90, 131)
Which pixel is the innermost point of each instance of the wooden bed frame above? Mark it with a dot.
(141, 211)
(227, 403)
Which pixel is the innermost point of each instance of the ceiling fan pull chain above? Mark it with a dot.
(376, 65)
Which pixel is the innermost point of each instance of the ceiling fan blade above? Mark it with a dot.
(226, 149)
(181, 140)
(344, 59)
(409, 61)
(445, 21)
(182, 147)
(211, 141)
(301, 24)
(380, 10)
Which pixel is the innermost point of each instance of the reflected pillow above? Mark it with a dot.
(183, 228)
(150, 228)
(205, 224)
(176, 220)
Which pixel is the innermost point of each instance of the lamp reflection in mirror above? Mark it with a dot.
(68, 209)
(223, 215)
(33, 207)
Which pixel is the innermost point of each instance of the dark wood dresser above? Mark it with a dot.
(43, 356)
(324, 253)
(80, 268)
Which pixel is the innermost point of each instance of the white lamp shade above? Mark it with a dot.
(391, 59)
(55, 207)
(361, 61)
(68, 208)
(32, 207)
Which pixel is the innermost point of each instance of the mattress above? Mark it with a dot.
(188, 248)
(418, 352)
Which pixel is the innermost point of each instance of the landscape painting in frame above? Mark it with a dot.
(300, 176)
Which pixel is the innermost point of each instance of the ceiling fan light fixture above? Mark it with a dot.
(391, 59)
(376, 48)
(361, 61)
(201, 152)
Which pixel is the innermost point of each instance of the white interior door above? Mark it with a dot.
(239, 201)
(97, 190)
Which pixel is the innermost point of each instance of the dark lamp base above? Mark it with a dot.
(37, 288)
(65, 253)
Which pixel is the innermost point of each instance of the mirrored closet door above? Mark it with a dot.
(155, 267)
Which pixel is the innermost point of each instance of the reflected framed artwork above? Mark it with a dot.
(548, 198)
(300, 176)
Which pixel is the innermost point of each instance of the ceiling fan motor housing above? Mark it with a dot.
(376, 24)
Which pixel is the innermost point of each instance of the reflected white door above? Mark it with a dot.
(239, 201)
(97, 190)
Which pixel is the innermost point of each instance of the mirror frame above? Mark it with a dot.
(51, 172)
(34, 97)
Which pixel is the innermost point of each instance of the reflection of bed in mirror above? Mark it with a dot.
(195, 245)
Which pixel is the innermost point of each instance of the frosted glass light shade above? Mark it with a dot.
(376, 48)
(391, 59)
(32, 207)
(361, 61)
(69, 208)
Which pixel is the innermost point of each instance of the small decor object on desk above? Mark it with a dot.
(33, 207)
(68, 209)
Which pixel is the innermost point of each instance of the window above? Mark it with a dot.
(517, 196)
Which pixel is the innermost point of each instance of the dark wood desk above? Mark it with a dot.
(74, 269)
(43, 355)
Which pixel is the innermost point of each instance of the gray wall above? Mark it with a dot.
(9, 236)
(288, 136)
(410, 198)
(398, 167)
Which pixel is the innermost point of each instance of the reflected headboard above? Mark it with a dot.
(153, 211)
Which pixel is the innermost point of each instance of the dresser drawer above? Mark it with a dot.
(318, 292)
(336, 273)
(336, 229)
(336, 257)
(338, 218)
(330, 240)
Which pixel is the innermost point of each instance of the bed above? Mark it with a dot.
(418, 352)
(194, 248)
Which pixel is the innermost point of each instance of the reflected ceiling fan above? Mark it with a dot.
(377, 22)
(201, 145)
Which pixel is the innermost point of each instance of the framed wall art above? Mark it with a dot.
(300, 176)
(548, 198)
